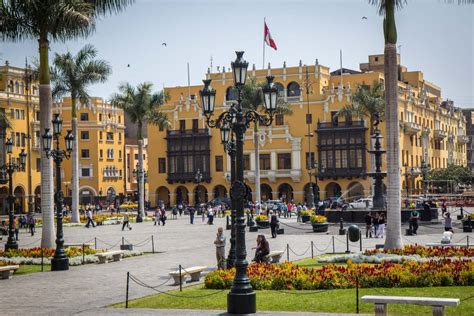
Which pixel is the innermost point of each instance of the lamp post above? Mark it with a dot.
(6, 175)
(242, 298)
(425, 168)
(228, 141)
(198, 181)
(138, 173)
(60, 261)
(309, 119)
(378, 201)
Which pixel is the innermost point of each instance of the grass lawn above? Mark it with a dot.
(332, 301)
(309, 262)
(32, 268)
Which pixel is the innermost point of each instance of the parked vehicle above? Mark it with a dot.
(361, 203)
(129, 205)
(220, 200)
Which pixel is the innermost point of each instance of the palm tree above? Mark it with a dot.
(387, 9)
(45, 20)
(142, 107)
(252, 99)
(71, 75)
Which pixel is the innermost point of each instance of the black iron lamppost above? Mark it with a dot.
(378, 202)
(408, 172)
(425, 168)
(60, 261)
(7, 171)
(198, 181)
(310, 197)
(241, 299)
(229, 146)
(138, 173)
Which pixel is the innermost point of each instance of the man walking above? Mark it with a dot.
(220, 248)
(274, 223)
(191, 214)
(126, 222)
(89, 218)
(31, 224)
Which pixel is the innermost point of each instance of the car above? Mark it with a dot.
(129, 205)
(361, 203)
(220, 200)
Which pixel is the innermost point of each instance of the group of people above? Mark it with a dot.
(27, 222)
(375, 224)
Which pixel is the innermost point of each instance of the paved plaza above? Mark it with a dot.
(89, 288)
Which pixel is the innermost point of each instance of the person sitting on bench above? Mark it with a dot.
(262, 249)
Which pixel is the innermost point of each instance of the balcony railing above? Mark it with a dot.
(183, 177)
(338, 125)
(273, 175)
(463, 139)
(341, 173)
(411, 128)
(439, 134)
(187, 132)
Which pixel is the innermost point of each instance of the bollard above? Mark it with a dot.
(357, 294)
(123, 240)
(152, 244)
(312, 251)
(83, 255)
(126, 293)
(347, 243)
(180, 280)
(95, 243)
(287, 252)
(42, 260)
(360, 239)
(333, 246)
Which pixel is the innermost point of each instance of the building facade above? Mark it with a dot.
(131, 165)
(432, 130)
(469, 115)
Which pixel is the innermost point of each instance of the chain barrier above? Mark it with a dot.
(303, 292)
(89, 241)
(300, 255)
(467, 298)
(110, 246)
(323, 250)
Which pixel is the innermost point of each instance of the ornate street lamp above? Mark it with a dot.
(198, 181)
(6, 175)
(138, 173)
(378, 200)
(60, 260)
(241, 299)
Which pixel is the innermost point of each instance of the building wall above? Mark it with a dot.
(424, 120)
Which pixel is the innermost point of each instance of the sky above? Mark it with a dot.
(435, 37)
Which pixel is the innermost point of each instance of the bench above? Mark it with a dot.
(438, 244)
(77, 244)
(104, 256)
(194, 272)
(6, 272)
(437, 304)
(274, 256)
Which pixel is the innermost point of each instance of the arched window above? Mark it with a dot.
(231, 94)
(280, 88)
(22, 88)
(17, 87)
(293, 89)
(10, 86)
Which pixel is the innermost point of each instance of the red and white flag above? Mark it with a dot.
(268, 37)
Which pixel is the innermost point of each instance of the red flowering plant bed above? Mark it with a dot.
(426, 251)
(287, 276)
(47, 252)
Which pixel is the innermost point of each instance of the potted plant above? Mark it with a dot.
(262, 221)
(320, 223)
(305, 215)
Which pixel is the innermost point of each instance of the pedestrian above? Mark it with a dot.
(285, 210)
(16, 228)
(274, 224)
(447, 236)
(444, 207)
(414, 218)
(174, 213)
(448, 222)
(375, 223)
(262, 249)
(191, 214)
(31, 224)
(381, 227)
(220, 248)
(163, 216)
(298, 212)
(180, 209)
(89, 219)
(126, 222)
(290, 208)
(157, 217)
(368, 225)
(210, 215)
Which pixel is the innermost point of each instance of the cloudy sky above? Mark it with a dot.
(435, 37)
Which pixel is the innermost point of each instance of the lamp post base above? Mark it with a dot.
(242, 303)
(13, 245)
(59, 264)
(139, 219)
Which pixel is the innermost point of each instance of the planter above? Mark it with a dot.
(263, 224)
(320, 227)
(305, 218)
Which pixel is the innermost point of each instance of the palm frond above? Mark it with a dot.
(382, 4)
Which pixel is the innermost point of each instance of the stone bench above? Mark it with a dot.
(381, 302)
(6, 272)
(438, 244)
(77, 244)
(104, 256)
(274, 256)
(194, 272)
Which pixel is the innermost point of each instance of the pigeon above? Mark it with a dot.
(128, 65)
(164, 44)
(364, 18)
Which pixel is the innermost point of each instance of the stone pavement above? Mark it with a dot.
(87, 289)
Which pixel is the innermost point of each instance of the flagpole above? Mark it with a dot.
(263, 64)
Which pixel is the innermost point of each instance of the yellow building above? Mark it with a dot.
(101, 150)
(131, 163)
(19, 100)
(431, 129)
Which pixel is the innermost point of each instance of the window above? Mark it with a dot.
(247, 162)
(17, 114)
(37, 115)
(18, 139)
(265, 162)
(219, 163)
(195, 124)
(85, 153)
(182, 125)
(231, 94)
(101, 154)
(23, 139)
(161, 165)
(84, 116)
(279, 119)
(110, 153)
(38, 164)
(84, 134)
(22, 114)
(110, 136)
(120, 155)
(284, 161)
(136, 156)
(100, 135)
(294, 89)
(120, 121)
(100, 117)
(120, 137)
(85, 172)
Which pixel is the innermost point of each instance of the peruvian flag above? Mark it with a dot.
(268, 37)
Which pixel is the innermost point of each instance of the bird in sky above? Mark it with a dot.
(128, 65)
(364, 18)
(164, 44)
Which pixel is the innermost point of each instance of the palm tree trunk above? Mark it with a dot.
(258, 198)
(75, 218)
(141, 178)
(394, 232)
(47, 186)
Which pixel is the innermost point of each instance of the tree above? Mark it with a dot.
(450, 177)
(142, 107)
(387, 9)
(252, 99)
(46, 20)
(71, 75)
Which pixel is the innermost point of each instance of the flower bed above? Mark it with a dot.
(47, 252)
(427, 251)
(408, 274)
